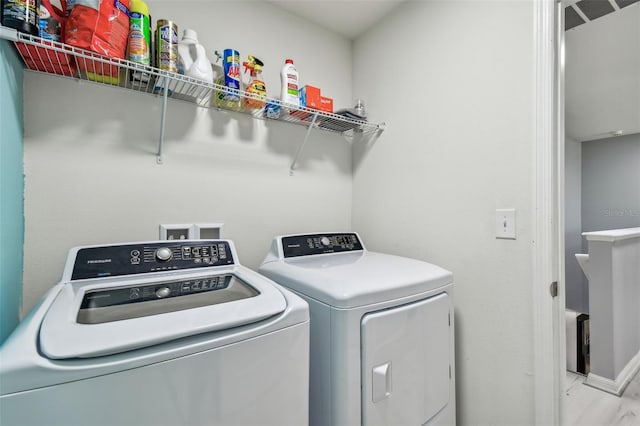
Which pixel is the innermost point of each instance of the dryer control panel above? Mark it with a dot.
(116, 260)
(310, 244)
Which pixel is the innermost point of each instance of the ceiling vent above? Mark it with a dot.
(584, 11)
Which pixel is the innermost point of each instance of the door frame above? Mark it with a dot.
(549, 350)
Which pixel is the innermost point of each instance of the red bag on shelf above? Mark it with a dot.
(104, 29)
(45, 59)
(49, 59)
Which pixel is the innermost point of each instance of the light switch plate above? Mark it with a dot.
(506, 223)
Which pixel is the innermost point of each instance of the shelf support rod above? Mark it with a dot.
(165, 95)
(300, 148)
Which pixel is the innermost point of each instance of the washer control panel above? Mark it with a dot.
(310, 244)
(107, 261)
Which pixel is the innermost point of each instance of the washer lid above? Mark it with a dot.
(89, 319)
(351, 279)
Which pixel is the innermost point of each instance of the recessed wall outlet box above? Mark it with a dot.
(177, 232)
(506, 223)
(208, 231)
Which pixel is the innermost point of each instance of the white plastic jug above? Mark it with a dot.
(290, 85)
(192, 58)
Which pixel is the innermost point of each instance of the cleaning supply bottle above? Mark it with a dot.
(290, 86)
(226, 95)
(256, 88)
(139, 46)
(218, 93)
(192, 58)
(21, 15)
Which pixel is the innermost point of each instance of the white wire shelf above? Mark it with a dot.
(60, 59)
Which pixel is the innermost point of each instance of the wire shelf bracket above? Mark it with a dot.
(302, 144)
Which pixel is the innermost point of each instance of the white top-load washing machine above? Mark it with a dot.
(382, 335)
(159, 333)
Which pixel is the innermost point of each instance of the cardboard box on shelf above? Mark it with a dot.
(310, 97)
(326, 104)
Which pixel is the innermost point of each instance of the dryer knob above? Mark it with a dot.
(163, 254)
(325, 241)
(163, 292)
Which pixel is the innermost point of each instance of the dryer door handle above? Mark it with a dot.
(381, 378)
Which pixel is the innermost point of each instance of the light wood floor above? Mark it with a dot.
(587, 406)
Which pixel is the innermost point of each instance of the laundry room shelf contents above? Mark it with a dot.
(60, 59)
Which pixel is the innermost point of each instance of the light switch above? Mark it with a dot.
(506, 223)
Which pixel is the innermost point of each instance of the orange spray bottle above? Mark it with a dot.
(256, 88)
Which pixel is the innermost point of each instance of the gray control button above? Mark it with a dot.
(163, 292)
(163, 254)
(134, 293)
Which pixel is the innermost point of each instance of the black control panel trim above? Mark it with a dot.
(131, 259)
(123, 303)
(312, 244)
(144, 293)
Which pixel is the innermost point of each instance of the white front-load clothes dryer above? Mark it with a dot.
(382, 335)
(159, 333)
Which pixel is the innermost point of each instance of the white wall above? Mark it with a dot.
(611, 183)
(577, 290)
(602, 75)
(454, 82)
(91, 175)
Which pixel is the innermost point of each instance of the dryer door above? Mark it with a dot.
(405, 363)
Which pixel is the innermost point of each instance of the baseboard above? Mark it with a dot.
(618, 385)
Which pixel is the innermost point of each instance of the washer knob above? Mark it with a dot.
(325, 241)
(163, 254)
(163, 292)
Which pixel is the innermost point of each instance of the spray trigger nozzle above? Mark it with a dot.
(254, 64)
